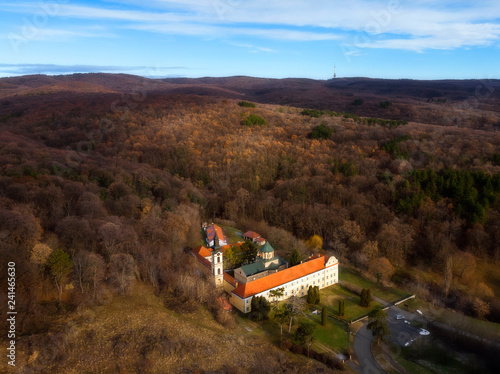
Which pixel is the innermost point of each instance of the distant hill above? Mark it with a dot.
(336, 94)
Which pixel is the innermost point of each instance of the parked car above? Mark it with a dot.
(424, 332)
(406, 321)
(399, 316)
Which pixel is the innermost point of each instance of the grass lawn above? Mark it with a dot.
(332, 336)
(411, 366)
(233, 235)
(331, 295)
(387, 294)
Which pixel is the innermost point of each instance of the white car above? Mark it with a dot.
(406, 321)
(399, 316)
(424, 332)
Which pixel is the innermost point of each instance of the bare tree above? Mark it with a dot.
(40, 254)
(296, 306)
(122, 268)
(395, 240)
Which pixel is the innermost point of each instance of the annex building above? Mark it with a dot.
(267, 273)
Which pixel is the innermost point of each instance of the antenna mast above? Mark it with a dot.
(334, 71)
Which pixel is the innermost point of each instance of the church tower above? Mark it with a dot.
(217, 267)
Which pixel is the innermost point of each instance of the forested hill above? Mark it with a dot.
(114, 174)
(436, 102)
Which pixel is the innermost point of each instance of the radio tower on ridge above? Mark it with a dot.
(334, 71)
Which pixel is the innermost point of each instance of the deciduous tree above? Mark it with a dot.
(381, 268)
(60, 266)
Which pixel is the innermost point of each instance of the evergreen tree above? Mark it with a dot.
(368, 297)
(295, 258)
(324, 316)
(249, 250)
(311, 298)
(378, 325)
(260, 309)
(304, 333)
(317, 297)
(362, 300)
(341, 308)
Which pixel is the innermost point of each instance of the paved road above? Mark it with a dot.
(363, 352)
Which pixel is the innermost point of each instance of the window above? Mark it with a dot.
(248, 308)
(302, 287)
(219, 271)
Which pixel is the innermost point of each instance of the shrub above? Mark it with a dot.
(312, 113)
(341, 308)
(246, 104)
(286, 345)
(297, 349)
(358, 102)
(366, 298)
(321, 132)
(254, 120)
(351, 287)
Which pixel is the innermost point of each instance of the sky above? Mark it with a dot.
(416, 39)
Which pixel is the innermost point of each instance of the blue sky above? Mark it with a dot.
(419, 39)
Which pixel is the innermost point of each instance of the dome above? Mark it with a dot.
(267, 248)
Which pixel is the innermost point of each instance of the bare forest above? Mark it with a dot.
(103, 192)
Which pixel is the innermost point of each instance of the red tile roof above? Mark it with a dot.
(281, 277)
(251, 234)
(202, 251)
(211, 230)
(202, 259)
(230, 279)
(260, 240)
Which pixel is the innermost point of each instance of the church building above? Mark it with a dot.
(269, 272)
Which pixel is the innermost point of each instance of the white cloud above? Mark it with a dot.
(254, 49)
(417, 25)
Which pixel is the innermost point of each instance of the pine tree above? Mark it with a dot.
(295, 258)
(310, 297)
(341, 308)
(362, 300)
(323, 316)
(368, 297)
(378, 325)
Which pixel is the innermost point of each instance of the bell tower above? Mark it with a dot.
(217, 267)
